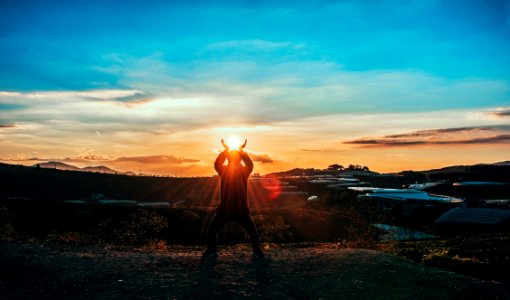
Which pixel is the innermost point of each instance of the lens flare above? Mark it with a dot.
(272, 186)
(234, 142)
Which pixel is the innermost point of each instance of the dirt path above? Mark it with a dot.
(83, 272)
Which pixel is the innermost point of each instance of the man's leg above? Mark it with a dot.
(216, 222)
(246, 221)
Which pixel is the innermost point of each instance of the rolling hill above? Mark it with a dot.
(67, 167)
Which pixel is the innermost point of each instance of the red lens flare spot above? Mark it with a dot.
(272, 186)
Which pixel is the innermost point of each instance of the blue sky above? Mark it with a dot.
(260, 63)
(60, 44)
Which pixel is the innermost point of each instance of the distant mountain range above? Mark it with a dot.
(67, 167)
(495, 171)
(470, 168)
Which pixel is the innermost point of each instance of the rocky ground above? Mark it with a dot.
(33, 271)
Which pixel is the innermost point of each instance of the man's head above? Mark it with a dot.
(234, 158)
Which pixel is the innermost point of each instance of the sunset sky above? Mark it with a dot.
(153, 86)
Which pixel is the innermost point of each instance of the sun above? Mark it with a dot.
(234, 142)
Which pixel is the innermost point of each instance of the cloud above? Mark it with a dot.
(433, 132)
(261, 158)
(136, 102)
(389, 143)
(295, 89)
(9, 94)
(304, 103)
(103, 94)
(447, 136)
(256, 44)
(381, 142)
(165, 97)
(7, 125)
(91, 157)
(321, 150)
(24, 159)
(88, 158)
(503, 138)
(501, 112)
(156, 159)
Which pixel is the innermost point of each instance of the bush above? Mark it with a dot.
(356, 227)
(137, 228)
(154, 246)
(7, 232)
(69, 237)
(273, 229)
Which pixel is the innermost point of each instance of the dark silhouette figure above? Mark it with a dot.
(234, 198)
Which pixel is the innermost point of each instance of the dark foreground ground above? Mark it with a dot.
(29, 271)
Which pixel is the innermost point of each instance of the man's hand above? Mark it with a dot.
(224, 145)
(243, 145)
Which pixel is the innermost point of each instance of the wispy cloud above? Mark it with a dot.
(320, 150)
(296, 89)
(105, 94)
(388, 143)
(503, 112)
(9, 94)
(90, 157)
(252, 45)
(436, 132)
(446, 136)
(156, 159)
(93, 158)
(28, 159)
(136, 102)
(261, 158)
(86, 158)
(167, 98)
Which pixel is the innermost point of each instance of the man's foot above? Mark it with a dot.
(257, 253)
(210, 253)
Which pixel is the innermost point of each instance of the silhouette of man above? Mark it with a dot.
(234, 199)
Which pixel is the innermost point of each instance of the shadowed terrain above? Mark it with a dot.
(69, 249)
(322, 271)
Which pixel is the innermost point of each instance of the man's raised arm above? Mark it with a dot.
(220, 160)
(248, 164)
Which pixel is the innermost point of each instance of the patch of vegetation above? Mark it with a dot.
(154, 246)
(273, 229)
(484, 256)
(138, 228)
(7, 231)
(55, 185)
(70, 237)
